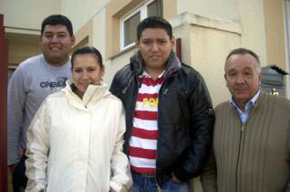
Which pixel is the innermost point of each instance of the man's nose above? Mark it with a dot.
(154, 47)
(240, 79)
(54, 38)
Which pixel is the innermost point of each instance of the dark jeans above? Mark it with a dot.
(148, 184)
(19, 180)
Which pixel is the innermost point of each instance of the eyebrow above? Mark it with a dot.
(60, 32)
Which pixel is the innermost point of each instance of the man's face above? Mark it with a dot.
(242, 77)
(155, 46)
(56, 43)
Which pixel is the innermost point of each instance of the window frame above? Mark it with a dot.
(143, 14)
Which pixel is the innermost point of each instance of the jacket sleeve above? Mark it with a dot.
(208, 175)
(121, 177)
(37, 150)
(15, 113)
(288, 186)
(201, 130)
(114, 85)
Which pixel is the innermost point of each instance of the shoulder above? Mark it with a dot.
(281, 102)
(30, 62)
(123, 72)
(222, 107)
(114, 99)
(55, 97)
(190, 72)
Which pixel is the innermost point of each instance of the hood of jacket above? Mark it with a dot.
(93, 94)
(137, 64)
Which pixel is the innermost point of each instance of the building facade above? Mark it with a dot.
(207, 30)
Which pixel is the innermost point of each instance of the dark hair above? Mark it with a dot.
(154, 22)
(87, 50)
(57, 20)
(244, 51)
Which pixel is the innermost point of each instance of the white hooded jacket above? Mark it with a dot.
(75, 145)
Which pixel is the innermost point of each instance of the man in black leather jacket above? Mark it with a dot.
(184, 115)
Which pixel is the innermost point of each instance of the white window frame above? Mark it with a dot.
(143, 14)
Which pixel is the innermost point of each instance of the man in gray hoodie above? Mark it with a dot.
(33, 80)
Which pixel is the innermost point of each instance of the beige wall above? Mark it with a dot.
(210, 40)
(22, 21)
(27, 14)
(221, 9)
(80, 12)
(252, 19)
(275, 40)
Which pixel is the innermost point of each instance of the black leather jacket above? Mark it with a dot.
(185, 117)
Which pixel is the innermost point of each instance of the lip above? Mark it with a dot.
(54, 48)
(240, 90)
(155, 56)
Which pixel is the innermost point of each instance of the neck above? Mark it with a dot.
(79, 93)
(154, 73)
(56, 62)
(241, 106)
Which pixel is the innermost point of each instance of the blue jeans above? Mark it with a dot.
(19, 180)
(148, 184)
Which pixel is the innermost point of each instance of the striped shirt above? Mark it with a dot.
(143, 141)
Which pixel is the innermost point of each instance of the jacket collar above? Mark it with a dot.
(137, 64)
(93, 93)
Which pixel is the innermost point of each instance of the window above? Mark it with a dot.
(130, 22)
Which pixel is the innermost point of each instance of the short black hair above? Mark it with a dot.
(57, 20)
(244, 51)
(87, 50)
(154, 22)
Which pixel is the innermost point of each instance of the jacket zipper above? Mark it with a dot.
(242, 129)
(133, 99)
(242, 136)
(161, 92)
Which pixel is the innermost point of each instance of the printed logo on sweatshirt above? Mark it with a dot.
(60, 82)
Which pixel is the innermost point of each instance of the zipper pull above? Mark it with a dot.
(124, 90)
(165, 91)
(243, 128)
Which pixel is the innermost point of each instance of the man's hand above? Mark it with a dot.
(175, 179)
(21, 152)
(12, 167)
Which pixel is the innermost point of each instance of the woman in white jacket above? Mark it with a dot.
(75, 140)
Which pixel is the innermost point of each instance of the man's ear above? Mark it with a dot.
(103, 71)
(173, 41)
(73, 39)
(260, 78)
(225, 77)
(137, 42)
(40, 40)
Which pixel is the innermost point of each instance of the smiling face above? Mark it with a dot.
(86, 70)
(155, 47)
(242, 77)
(56, 44)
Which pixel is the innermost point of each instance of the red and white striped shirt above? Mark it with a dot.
(143, 142)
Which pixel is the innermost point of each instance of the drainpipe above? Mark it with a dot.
(3, 105)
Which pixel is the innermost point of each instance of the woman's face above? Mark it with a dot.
(86, 70)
